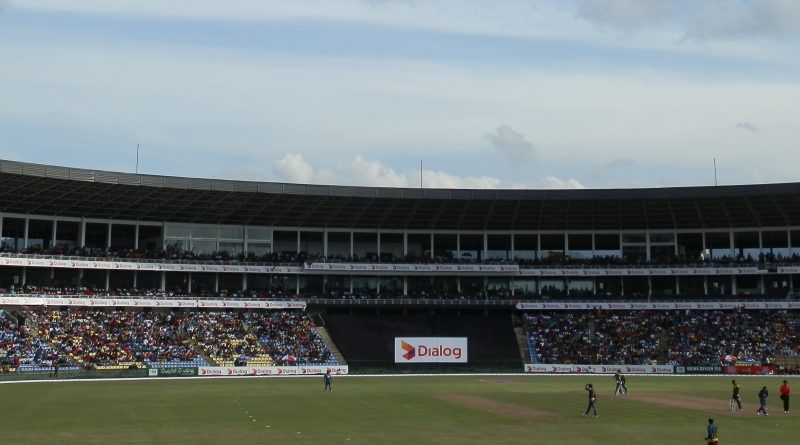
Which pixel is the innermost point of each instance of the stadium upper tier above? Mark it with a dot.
(302, 259)
(72, 228)
(62, 191)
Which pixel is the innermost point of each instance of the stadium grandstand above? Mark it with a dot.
(192, 272)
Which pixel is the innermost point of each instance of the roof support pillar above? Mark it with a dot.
(82, 239)
(27, 224)
(53, 234)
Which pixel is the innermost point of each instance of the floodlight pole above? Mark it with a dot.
(715, 172)
(137, 159)
(420, 174)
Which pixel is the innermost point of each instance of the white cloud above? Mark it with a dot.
(293, 167)
(625, 14)
(384, 3)
(726, 19)
(210, 109)
(572, 21)
(551, 182)
(701, 21)
(512, 145)
(621, 163)
(747, 126)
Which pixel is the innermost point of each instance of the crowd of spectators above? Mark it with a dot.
(20, 349)
(428, 292)
(115, 338)
(558, 260)
(119, 339)
(700, 337)
(594, 337)
(290, 338)
(225, 336)
(665, 337)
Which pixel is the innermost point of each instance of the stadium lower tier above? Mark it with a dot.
(662, 337)
(38, 339)
(396, 338)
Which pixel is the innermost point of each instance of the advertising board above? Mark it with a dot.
(430, 350)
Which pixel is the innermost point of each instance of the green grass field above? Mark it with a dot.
(406, 410)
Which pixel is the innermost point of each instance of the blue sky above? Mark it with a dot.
(508, 93)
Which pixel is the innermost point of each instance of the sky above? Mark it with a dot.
(486, 94)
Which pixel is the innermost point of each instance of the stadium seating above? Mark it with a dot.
(671, 337)
(118, 340)
(24, 351)
(290, 338)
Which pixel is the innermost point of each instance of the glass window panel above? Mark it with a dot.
(231, 247)
(204, 246)
(96, 235)
(13, 233)
(258, 249)
(179, 244)
(525, 246)
(204, 232)
(178, 231)
(231, 232)
(40, 233)
(662, 253)
(606, 241)
(662, 237)
(339, 244)
(634, 253)
(633, 238)
(259, 233)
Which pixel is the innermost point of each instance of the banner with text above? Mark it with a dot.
(698, 370)
(536, 368)
(423, 268)
(640, 271)
(17, 300)
(133, 265)
(212, 371)
(430, 350)
(663, 305)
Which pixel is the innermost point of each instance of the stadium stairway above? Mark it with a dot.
(663, 347)
(202, 353)
(326, 338)
(789, 361)
(522, 341)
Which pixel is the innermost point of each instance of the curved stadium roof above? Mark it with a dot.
(63, 191)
